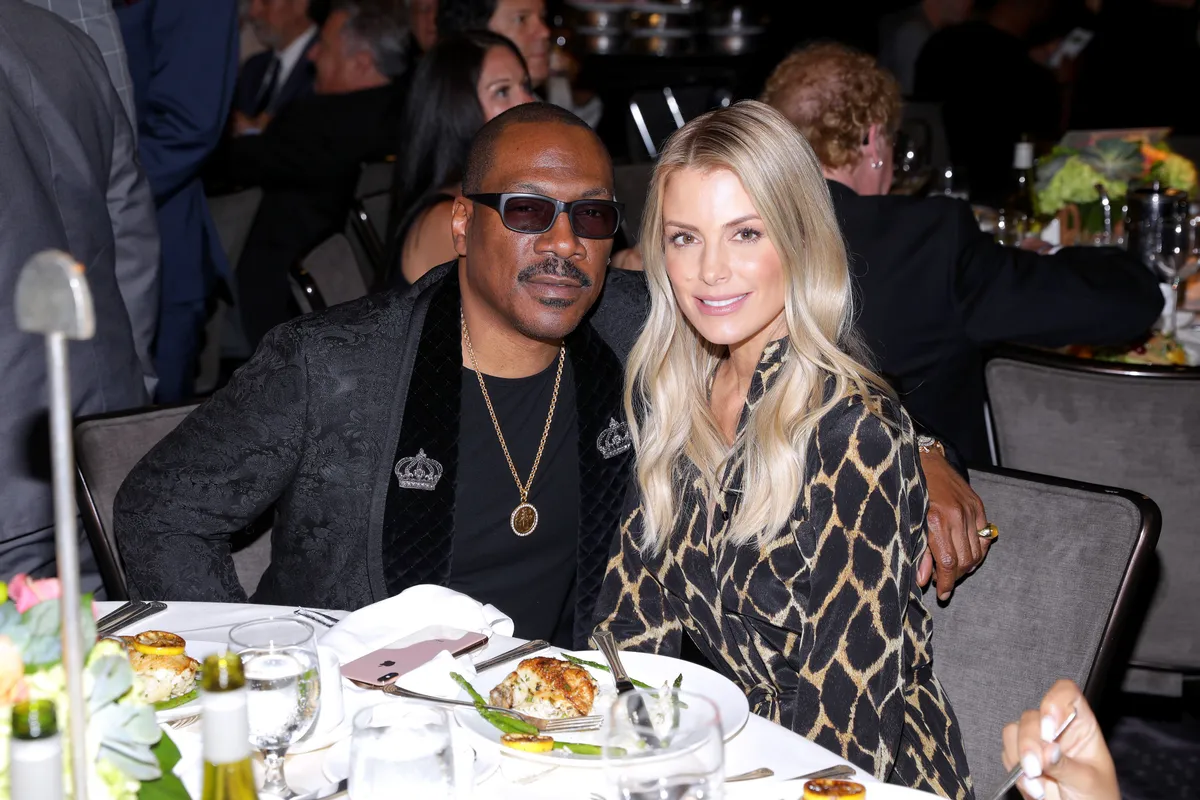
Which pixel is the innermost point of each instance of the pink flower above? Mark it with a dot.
(12, 674)
(27, 593)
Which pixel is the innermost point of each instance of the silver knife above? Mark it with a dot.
(126, 610)
(332, 790)
(144, 611)
(527, 649)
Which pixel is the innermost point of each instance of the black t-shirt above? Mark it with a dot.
(530, 578)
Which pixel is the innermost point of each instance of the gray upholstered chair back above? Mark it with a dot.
(107, 448)
(333, 274)
(378, 207)
(375, 178)
(1049, 602)
(1117, 425)
(233, 215)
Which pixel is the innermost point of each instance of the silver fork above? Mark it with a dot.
(316, 616)
(569, 725)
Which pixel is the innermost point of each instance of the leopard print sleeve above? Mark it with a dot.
(633, 604)
(854, 540)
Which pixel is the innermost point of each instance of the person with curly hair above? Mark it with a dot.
(935, 289)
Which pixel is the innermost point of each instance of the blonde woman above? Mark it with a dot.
(779, 508)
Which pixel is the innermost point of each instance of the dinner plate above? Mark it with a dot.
(732, 707)
(199, 650)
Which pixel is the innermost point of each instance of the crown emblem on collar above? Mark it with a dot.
(615, 439)
(418, 472)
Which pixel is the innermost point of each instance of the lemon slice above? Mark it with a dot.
(826, 787)
(530, 743)
(159, 643)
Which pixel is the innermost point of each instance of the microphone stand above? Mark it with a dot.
(53, 299)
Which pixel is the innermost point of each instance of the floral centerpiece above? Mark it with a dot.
(1068, 176)
(126, 749)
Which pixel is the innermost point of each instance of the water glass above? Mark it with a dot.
(664, 745)
(283, 683)
(401, 749)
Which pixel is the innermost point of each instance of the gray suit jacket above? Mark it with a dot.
(97, 19)
(70, 181)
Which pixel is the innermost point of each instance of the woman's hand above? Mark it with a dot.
(955, 517)
(1076, 767)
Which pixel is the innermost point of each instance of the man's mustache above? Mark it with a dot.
(557, 268)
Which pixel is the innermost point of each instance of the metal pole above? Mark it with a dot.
(67, 553)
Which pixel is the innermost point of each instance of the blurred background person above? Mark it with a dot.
(307, 159)
(935, 289)
(422, 18)
(183, 62)
(524, 22)
(969, 67)
(903, 33)
(65, 128)
(282, 73)
(463, 82)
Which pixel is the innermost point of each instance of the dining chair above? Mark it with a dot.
(327, 276)
(107, 448)
(1133, 426)
(1053, 599)
(375, 178)
(630, 184)
(233, 215)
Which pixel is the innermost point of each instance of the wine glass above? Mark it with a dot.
(401, 743)
(283, 683)
(664, 744)
(910, 164)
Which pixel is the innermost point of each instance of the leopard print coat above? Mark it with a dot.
(823, 628)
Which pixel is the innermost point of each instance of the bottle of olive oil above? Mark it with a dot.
(35, 752)
(228, 774)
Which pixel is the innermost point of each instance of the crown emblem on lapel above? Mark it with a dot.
(614, 440)
(418, 472)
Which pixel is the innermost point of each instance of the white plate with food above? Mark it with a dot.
(168, 667)
(506, 686)
(761, 790)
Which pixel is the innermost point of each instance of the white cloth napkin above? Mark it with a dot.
(391, 620)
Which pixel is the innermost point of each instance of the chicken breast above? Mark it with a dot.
(547, 688)
(162, 677)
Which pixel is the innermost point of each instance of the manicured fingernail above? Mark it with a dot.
(1049, 728)
(1034, 788)
(1032, 765)
(1055, 754)
(944, 597)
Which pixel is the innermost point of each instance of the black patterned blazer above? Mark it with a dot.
(312, 424)
(823, 628)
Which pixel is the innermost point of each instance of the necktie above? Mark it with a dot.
(266, 92)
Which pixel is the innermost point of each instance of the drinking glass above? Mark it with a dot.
(401, 749)
(910, 164)
(283, 683)
(664, 744)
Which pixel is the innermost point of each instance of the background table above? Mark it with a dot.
(760, 744)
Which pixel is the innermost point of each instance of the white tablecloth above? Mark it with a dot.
(759, 744)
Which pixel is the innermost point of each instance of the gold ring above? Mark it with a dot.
(989, 532)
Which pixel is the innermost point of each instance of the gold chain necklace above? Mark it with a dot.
(524, 518)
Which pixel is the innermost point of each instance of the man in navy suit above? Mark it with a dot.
(272, 79)
(183, 61)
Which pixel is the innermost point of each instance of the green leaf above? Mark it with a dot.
(87, 621)
(42, 619)
(112, 677)
(168, 787)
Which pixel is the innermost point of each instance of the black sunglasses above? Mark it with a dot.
(536, 213)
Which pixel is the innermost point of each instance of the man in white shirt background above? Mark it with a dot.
(282, 73)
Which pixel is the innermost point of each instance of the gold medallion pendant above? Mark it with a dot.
(524, 519)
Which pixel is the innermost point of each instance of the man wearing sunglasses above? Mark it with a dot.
(468, 433)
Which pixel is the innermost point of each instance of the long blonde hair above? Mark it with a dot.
(666, 395)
